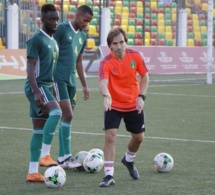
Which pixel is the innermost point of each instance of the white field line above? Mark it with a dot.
(119, 135)
(153, 93)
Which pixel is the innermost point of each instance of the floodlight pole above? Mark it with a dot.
(209, 42)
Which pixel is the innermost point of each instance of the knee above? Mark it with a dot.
(67, 116)
(110, 137)
(139, 138)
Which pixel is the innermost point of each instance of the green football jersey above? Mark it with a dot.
(45, 49)
(71, 43)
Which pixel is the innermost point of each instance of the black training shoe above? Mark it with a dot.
(131, 168)
(107, 181)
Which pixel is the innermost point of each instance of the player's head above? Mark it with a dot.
(116, 41)
(83, 16)
(49, 18)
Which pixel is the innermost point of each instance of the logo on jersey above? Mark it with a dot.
(70, 37)
(49, 46)
(133, 64)
(80, 41)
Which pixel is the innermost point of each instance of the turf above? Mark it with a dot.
(179, 121)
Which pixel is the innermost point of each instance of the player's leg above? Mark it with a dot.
(135, 124)
(65, 93)
(54, 115)
(112, 121)
(38, 122)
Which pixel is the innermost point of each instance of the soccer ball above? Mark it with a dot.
(163, 162)
(98, 151)
(79, 157)
(55, 177)
(93, 162)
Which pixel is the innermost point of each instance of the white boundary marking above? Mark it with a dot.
(152, 93)
(120, 135)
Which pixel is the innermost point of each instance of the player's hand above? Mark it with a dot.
(107, 102)
(39, 99)
(140, 104)
(86, 93)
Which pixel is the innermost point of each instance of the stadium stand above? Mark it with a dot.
(148, 22)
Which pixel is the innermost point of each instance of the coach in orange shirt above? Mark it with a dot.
(124, 98)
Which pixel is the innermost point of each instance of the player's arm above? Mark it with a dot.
(80, 71)
(103, 86)
(38, 97)
(143, 84)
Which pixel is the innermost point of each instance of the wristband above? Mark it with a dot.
(142, 96)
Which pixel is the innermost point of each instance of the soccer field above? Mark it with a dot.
(180, 120)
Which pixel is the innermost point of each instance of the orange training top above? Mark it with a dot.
(122, 78)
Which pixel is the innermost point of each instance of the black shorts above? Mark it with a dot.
(134, 122)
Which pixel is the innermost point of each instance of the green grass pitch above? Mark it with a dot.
(180, 120)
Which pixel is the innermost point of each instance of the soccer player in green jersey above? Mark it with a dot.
(42, 54)
(71, 40)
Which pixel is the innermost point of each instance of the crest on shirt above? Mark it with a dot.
(132, 64)
(80, 41)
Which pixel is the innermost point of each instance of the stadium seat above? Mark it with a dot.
(153, 23)
(91, 45)
(160, 16)
(124, 21)
(153, 42)
(154, 29)
(161, 22)
(153, 35)
(202, 17)
(168, 23)
(167, 11)
(92, 31)
(130, 35)
(168, 35)
(139, 4)
(153, 16)
(168, 28)
(161, 29)
(195, 17)
(166, 5)
(130, 42)
(125, 3)
(161, 42)
(173, 5)
(195, 22)
(139, 29)
(204, 35)
(138, 42)
(147, 35)
(169, 42)
(160, 10)
(204, 42)
(190, 35)
(161, 35)
(203, 29)
(147, 22)
(202, 23)
(160, 5)
(205, 7)
(131, 29)
(189, 23)
(147, 42)
(89, 3)
(131, 22)
(168, 16)
(198, 42)
(139, 22)
(190, 43)
(139, 35)
(153, 4)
